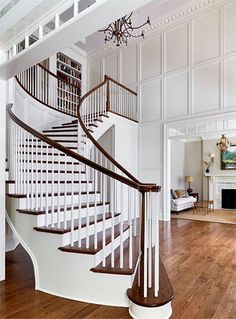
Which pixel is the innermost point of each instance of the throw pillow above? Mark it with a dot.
(180, 193)
(173, 193)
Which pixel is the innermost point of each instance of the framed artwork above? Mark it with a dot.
(228, 158)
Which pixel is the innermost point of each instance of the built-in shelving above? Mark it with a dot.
(69, 80)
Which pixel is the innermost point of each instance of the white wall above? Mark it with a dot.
(3, 101)
(193, 165)
(185, 70)
(177, 164)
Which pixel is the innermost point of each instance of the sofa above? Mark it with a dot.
(181, 203)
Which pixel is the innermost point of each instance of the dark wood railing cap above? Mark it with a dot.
(149, 188)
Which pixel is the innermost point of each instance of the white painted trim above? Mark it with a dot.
(35, 265)
(167, 150)
(172, 18)
(139, 312)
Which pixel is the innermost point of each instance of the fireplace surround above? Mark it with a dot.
(217, 183)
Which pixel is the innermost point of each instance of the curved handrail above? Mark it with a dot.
(34, 82)
(98, 146)
(108, 81)
(80, 158)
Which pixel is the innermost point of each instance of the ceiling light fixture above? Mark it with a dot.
(223, 143)
(121, 30)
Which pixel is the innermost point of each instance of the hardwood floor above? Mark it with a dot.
(200, 258)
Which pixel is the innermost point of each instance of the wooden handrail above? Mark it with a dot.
(119, 84)
(101, 149)
(67, 151)
(56, 76)
(40, 101)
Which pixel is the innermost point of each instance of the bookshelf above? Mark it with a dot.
(69, 74)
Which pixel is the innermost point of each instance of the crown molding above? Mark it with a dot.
(174, 17)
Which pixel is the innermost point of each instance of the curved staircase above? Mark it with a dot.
(90, 226)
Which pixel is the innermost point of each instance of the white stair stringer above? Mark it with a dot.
(63, 274)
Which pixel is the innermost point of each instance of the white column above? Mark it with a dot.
(3, 93)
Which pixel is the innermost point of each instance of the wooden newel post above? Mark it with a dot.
(108, 95)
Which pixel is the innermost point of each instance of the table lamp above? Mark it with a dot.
(189, 179)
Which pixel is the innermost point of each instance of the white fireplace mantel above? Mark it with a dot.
(219, 181)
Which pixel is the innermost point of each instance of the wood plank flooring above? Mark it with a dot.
(200, 259)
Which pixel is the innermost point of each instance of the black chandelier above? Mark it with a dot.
(121, 30)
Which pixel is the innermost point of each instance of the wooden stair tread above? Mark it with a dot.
(62, 135)
(166, 293)
(63, 230)
(10, 182)
(59, 130)
(61, 182)
(67, 193)
(108, 269)
(17, 195)
(68, 208)
(54, 171)
(45, 146)
(39, 153)
(49, 162)
(63, 127)
(91, 250)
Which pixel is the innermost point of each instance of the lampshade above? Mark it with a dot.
(223, 143)
(189, 179)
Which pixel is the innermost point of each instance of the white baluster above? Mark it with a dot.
(103, 220)
(156, 290)
(121, 226)
(59, 189)
(130, 228)
(65, 205)
(47, 190)
(72, 202)
(145, 248)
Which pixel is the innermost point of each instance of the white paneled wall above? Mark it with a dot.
(183, 71)
(206, 37)
(151, 58)
(206, 88)
(176, 48)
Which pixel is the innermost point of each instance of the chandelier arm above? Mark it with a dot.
(104, 30)
(128, 16)
(142, 25)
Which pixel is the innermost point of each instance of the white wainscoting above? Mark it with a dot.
(182, 71)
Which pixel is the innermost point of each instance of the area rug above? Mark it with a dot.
(216, 216)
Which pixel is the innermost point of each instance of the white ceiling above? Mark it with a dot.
(155, 10)
(15, 22)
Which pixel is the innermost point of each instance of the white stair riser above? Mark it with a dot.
(61, 132)
(54, 158)
(7, 175)
(67, 137)
(11, 187)
(66, 238)
(67, 216)
(108, 248)
(69, 145)
(49, 166)
(56, 176)
(61, 200)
